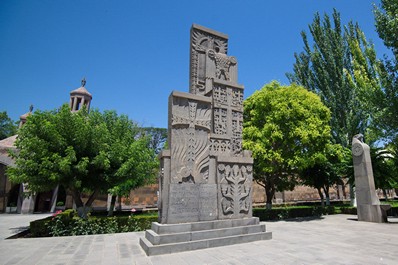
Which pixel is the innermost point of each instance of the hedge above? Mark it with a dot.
(291, 212)
(67, 223)
(308, 211)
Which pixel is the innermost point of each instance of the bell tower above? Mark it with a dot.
(80, 97)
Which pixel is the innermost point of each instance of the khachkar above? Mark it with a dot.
(368, 204)
(206, 177)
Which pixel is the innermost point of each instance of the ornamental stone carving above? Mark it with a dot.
(205, 174)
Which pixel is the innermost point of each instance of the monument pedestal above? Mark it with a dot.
(373, 213)
(171, 238)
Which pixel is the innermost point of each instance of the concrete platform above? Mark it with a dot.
(334, 239)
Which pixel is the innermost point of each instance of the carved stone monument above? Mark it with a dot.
(368, 205)
(206, 178)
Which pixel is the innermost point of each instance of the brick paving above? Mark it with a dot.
(334, 239)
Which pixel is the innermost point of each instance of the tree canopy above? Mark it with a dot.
(386, 18)
(341, 67)
(84, 152)
(158, 137)
(7, 126)
(287, 129)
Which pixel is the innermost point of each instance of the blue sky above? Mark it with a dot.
(134, 53)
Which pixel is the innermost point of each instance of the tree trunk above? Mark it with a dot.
(321, 196)
(91, 199)
(385, 194)
(83, 208)
(112, 205)
(326, 189)
(269, 192)
(76, 198)
(119, 203)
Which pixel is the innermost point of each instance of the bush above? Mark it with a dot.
(292, 212)
(69, 224)
(393, 211)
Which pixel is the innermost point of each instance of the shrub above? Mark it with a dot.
(292, 212)
(69, 224)
(38, 228)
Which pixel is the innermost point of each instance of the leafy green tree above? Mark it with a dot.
(87, 153)
(384, 169)
(7, 126)
(287, 129)
(131, 157)
(386, 19)
(325, 173)
(387, 24)
(341, 68)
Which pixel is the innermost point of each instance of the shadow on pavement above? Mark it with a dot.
(390, 219)
(300, 219)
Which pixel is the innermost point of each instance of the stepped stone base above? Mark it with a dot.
(171, 238)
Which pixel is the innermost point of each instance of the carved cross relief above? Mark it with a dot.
(191, 125)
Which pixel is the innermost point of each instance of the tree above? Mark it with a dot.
(386, 19)
(84, 152)
(131, 156)
(325, 173)
(158, 137)
(387, 24)
(286, 128)
(7, 126)
(384, 169)
(341, 68)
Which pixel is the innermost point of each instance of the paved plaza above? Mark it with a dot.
(334, 239)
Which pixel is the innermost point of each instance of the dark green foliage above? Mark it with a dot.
(291, 212)
(7, 126)
(387, 98)
(323, 174)
(287, 129)
(340, 66)
(158, 137)
(68, 224)
(348, 210)
(387, 24)
(86, 153)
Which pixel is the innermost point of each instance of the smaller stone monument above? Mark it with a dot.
(368, 205)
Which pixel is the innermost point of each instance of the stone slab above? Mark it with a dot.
(151, 249)
(170, 238)
(206, 225)
(192, 202)
(158, 239)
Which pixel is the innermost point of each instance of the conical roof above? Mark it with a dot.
(82, 91)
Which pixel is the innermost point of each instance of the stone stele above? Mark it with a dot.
(205, 186)
(368, 205)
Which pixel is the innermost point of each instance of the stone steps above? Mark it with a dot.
(164, 239)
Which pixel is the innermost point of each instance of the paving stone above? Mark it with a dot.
(335, 239)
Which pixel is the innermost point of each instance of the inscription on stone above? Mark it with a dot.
(192, 202)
